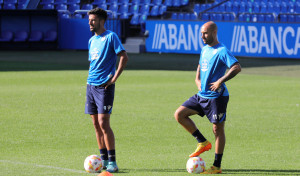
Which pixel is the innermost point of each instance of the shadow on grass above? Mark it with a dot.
(261, 172)
(151, 170)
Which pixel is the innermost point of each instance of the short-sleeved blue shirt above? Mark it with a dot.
(213, 64)
(103, 50)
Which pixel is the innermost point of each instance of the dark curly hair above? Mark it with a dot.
(102, 14)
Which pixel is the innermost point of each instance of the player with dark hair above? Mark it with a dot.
(212, 97)
(104, 48)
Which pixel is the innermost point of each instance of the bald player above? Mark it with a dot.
(212, 97)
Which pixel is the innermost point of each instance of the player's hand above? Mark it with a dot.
(215, 85)
(110, 82)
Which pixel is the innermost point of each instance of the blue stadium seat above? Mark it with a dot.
(73, 2)
(48, 6)
(50, 36)
(10, 1)
(77, 16)
(124, 16)
(176, 3)
(180, 16)
(87, 7)
(124, 2)
(134, 19)
(174, 16)
(168, 2)
(9, 6)
(235, 7)
(123, 8)
(187, 16)
(113, 7)
(249, 7)
(60, 1)
(154, 10)
(228, 7)
(6, 36)
(297, 18)
(135, 2)
(112, 15)
(21, 2)
(205, 17)
(197, 8)
(276, 8)
(21, 6)
(97, 2)
(241, 17)
(291, 18)
(247, 17)
(194, 16)
(283, 18)
(263, 8)
(102, 6)
(256, 7)
(112, 1)
(242, 8)
(142, 19)
(270, 18)
(184, 2)
(46, 2)
(291, 7)
(157, 2)
(145, 2)
(73, 7)
(297, 8)
(35, 36)
(270, 7)
(226, 17)
(21, 36)
(64, 15)
(283, 8)
(212, 16)
(222, 8)
(144, 9)
(261, 18)
(61, 7)
(219, 17)
(134, 9)
(162, 9)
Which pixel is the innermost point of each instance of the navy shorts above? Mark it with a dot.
(214, 109)
(99, 100)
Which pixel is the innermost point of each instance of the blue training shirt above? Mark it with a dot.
(103, 50)
(213, 64)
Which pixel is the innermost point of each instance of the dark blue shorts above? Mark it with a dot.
(99, 100)
(214, 109)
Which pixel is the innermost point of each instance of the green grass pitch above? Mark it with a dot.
(44, 131)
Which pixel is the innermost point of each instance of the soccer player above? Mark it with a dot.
(212, 97)
(104, 48)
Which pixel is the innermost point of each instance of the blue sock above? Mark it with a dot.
(218, 160)
(199, 136)
(112, 155)
(103, 154)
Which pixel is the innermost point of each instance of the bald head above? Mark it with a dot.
(209, 33)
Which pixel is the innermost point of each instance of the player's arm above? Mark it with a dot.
(197, 80)
(232, 72)
(122, 64)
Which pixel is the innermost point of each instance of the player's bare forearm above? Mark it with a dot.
(232, 72)
(122, 64)
(197, 79)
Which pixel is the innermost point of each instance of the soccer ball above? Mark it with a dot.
(93, 164)
(195, 165)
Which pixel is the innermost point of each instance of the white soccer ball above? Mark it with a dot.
(195, 165)
(93, 164)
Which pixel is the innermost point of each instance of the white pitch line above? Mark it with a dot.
(42, 166)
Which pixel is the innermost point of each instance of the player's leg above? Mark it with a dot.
(188, 108)
(109, 139)
(100, 140)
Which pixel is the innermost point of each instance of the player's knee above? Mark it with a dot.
(177, 115)
(218, 130)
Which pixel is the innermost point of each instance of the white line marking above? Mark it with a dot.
(43, 166)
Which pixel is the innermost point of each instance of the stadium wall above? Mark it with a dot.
(272, 40)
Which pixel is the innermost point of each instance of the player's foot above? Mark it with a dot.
(201, 147)
(213, 170)
(105, 163)
(112, 167)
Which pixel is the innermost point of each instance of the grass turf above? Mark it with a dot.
(44, 131)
